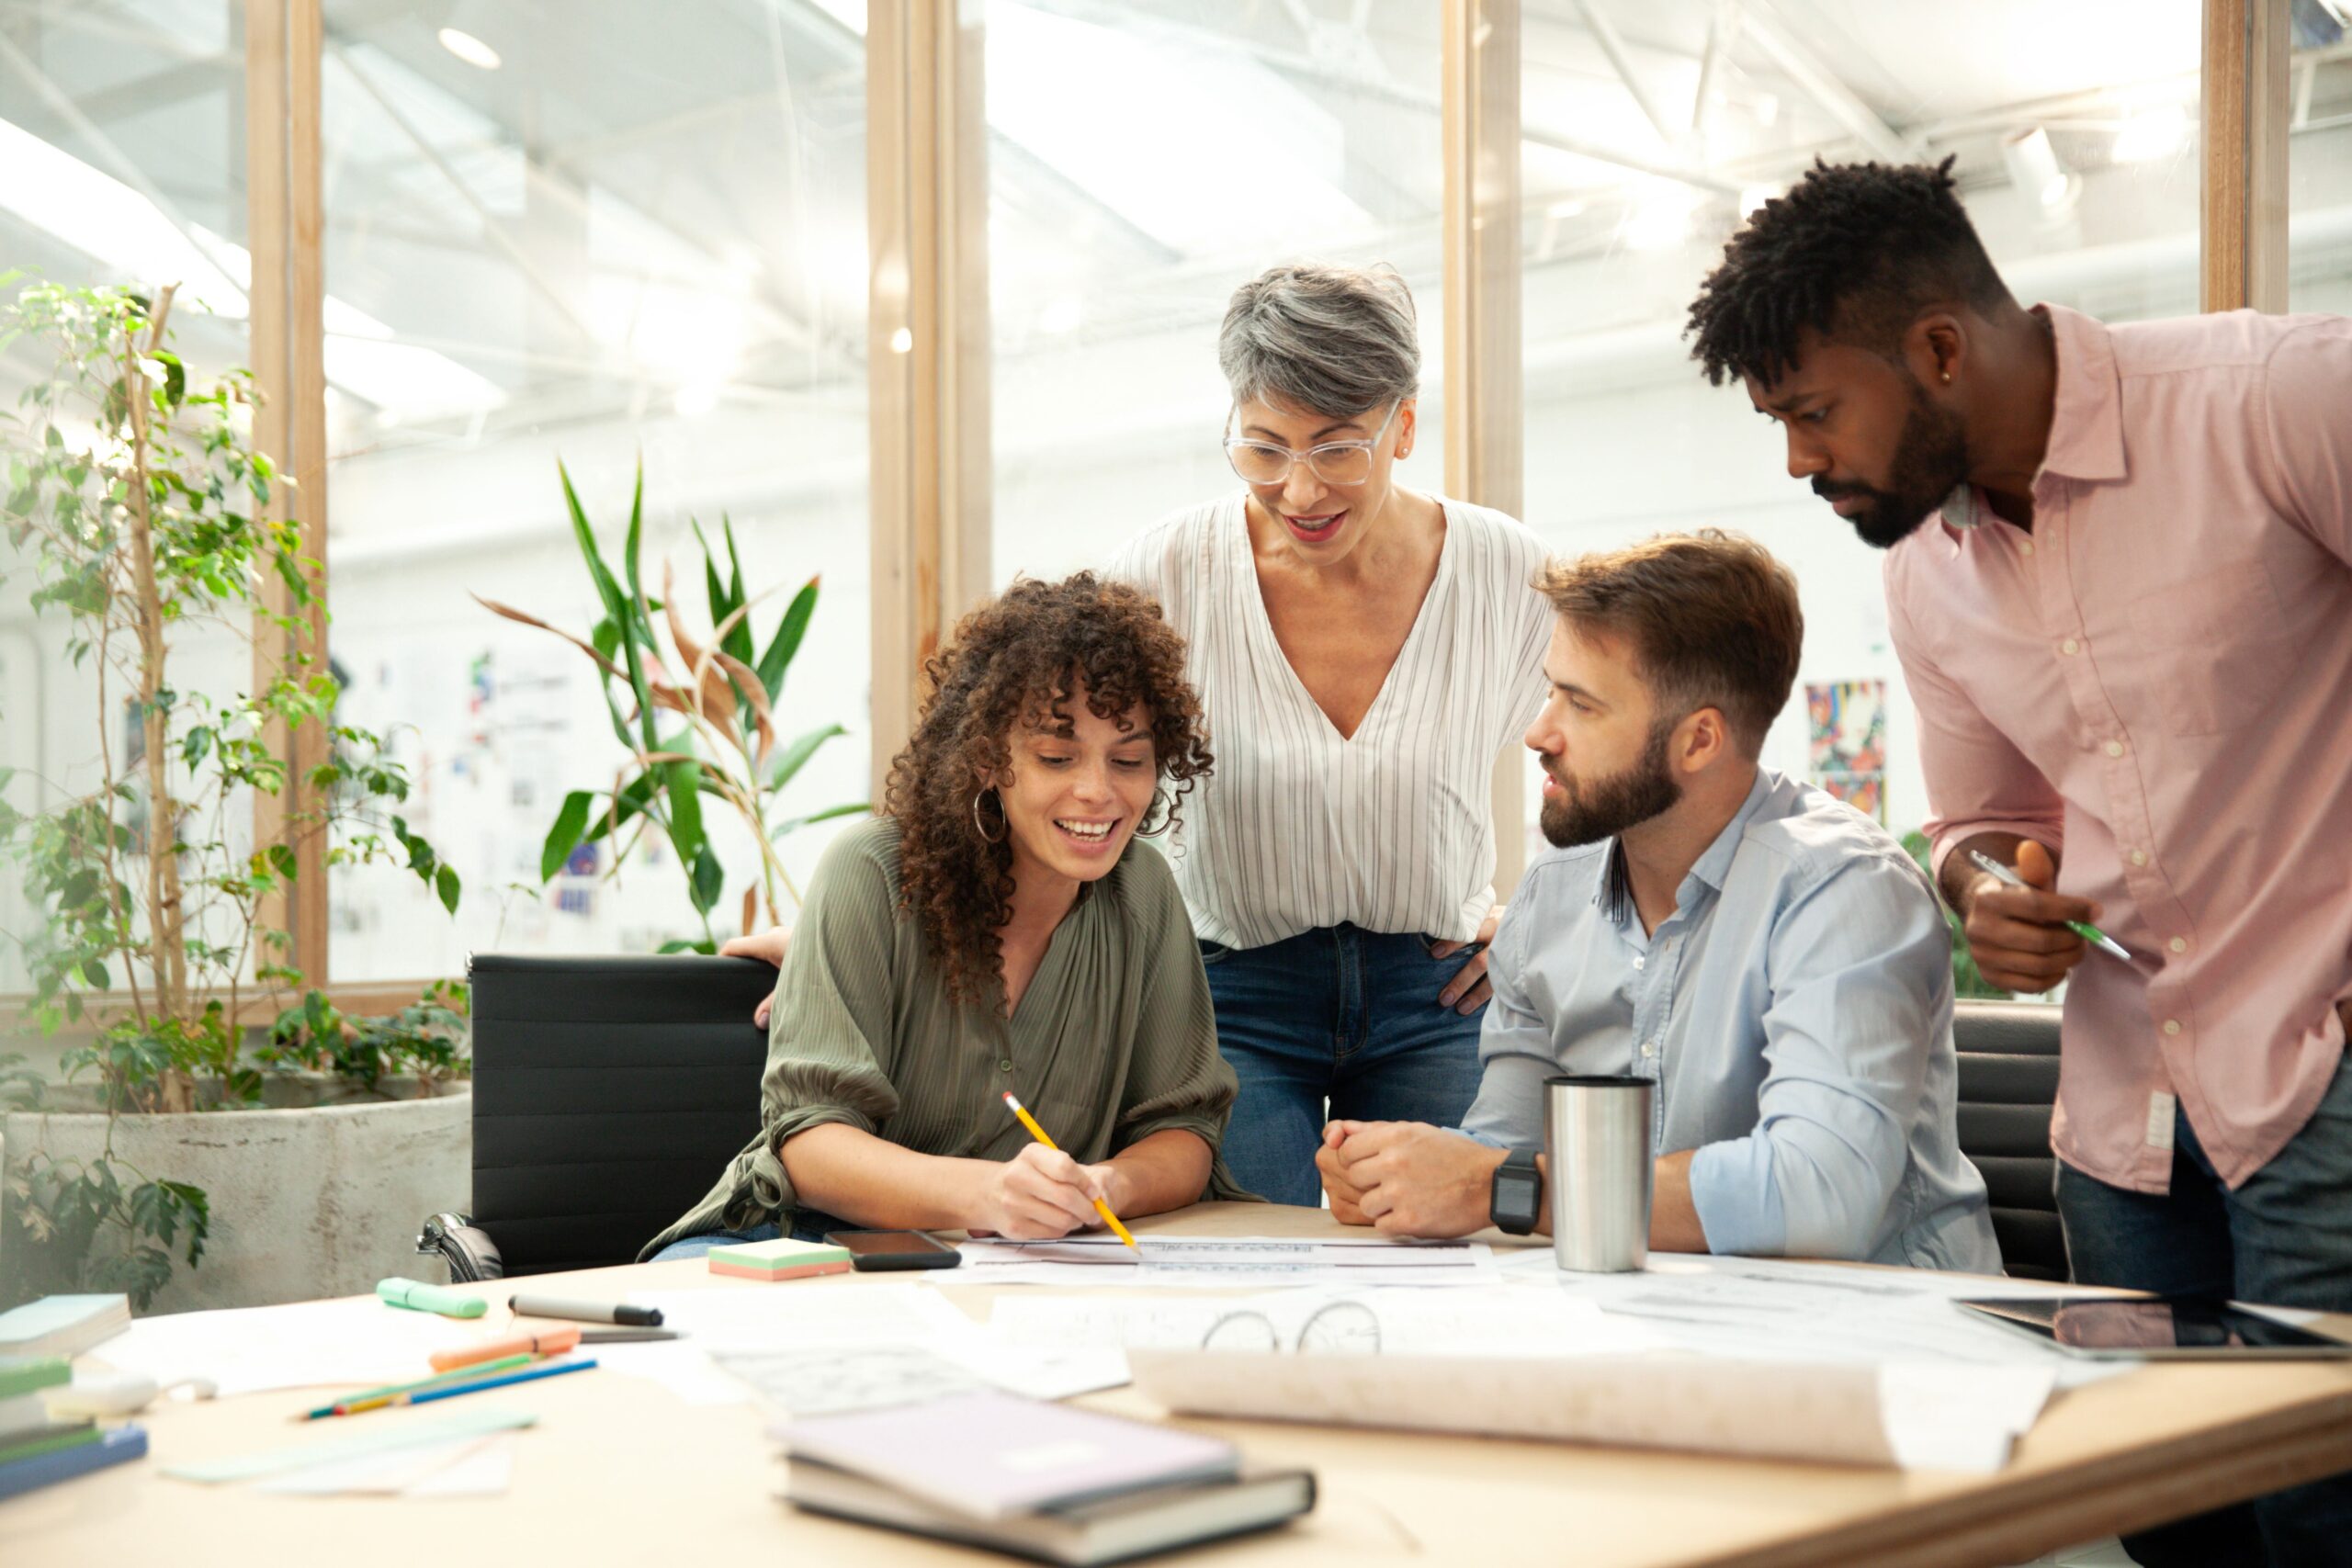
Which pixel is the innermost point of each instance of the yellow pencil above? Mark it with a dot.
(1039, 1134)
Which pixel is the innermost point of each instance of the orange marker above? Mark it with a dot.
(547, 1342)
(1039, 1134)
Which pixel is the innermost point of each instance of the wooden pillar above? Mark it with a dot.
(2245, 149)
(927, 342)
(285, 232)
(1485, 390)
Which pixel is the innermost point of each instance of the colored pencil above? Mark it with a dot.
(546, 1370)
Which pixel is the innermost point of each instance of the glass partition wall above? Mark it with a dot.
(616, 237)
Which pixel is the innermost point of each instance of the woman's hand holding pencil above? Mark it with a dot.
(1043, 1193)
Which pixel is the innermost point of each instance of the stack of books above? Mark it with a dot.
(37, 1451)
(63, 1325)
(1040, 1481)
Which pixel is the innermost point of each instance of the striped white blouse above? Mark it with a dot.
(1391, 828)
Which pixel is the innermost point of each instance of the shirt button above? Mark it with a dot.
(2180, 945)
(2172, 1026)
(2026, 548)
(1640, 960)
(2138, 857)
(1649, 1049)
(1004, 1066)
(2069, 646)
(2115, 748)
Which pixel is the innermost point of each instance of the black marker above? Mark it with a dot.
(587, 1312)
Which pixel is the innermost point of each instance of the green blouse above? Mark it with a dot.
(1114, 1040)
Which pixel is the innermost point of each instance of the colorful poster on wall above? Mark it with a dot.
(1847, 755)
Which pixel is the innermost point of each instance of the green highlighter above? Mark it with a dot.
(418, 1296)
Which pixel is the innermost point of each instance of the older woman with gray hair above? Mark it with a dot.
(1363, 652)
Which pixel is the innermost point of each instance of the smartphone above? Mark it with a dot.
(874, 1250)
(2176, 1327)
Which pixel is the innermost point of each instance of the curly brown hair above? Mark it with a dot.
(1015, 661)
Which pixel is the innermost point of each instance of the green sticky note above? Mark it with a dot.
(381, 1439)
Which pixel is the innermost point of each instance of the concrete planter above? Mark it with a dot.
(318, 1195)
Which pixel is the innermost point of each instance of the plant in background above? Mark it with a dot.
(144, 516)
(1966, 979)
(721, 742)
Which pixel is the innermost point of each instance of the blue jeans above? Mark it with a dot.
(1341, 1015)
(806, 1225)
(2283, 1238)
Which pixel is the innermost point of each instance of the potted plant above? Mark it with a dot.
(288, 1166)
(720, 689)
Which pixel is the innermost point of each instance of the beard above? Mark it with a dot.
(1930, 462)
(1585, 813)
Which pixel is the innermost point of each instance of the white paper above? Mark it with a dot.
(1913, 1417)
(305, 1345)
(464, 1467)
(846, 1348)
(1219, 1262)
(1496, 1321)
(1776, 1310)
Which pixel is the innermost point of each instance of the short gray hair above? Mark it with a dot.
(1330, 340)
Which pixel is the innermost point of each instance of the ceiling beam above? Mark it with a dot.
(1821, 85)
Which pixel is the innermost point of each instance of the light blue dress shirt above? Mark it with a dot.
(1796, 1013)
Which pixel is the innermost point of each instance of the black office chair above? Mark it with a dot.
(609, 1094)
(2009, 1082)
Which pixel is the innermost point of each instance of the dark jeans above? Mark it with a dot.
(1341, 1015)
(2283, 1238)
(806, 1225)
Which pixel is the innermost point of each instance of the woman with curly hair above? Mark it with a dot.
(996, 928)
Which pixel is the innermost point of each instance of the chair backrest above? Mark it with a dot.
(609, 1094)
(2008, 1082)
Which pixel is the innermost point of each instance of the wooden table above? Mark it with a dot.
(618, 1471)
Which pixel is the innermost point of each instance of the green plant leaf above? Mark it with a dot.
(778, 660)
(681, 781)
(564, 836)
(790, 761)
(688, 944)
(446, 883)
(708, 881)
(797, 823)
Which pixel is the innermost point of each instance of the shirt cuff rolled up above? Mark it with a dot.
(1738, 1202)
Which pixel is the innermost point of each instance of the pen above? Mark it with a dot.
(547, 1342)
(368, 1399)
(451, 1391)
(587, 1312)
(1039, 1134)
(2088, 932)
(418, 1296)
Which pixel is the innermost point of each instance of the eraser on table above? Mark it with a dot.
(782, 1259)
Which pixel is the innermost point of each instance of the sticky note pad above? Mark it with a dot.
(779, 1259)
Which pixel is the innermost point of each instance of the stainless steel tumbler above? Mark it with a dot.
(1597, 1141)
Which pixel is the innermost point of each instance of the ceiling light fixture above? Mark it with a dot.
(469, 49)
(2151, 134)
(2034, 169)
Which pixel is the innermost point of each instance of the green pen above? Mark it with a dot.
(2084, 928)
(418, 1296)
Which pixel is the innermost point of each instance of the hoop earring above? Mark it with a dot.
(982, 827)
(1163, 803)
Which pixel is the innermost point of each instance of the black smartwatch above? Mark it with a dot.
(1517, 1199)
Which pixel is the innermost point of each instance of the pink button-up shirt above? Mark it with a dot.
(2158, 678)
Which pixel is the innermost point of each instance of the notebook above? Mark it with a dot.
(987, 1455)
(63, 1325)
(24, 1376)
(121, 1444)
(1107, 1529)
(47, 1438)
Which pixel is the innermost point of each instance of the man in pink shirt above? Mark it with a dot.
(2120, 579)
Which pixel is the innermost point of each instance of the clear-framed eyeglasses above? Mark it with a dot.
(1334, 462)
(1344, 1328)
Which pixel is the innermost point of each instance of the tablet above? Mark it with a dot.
(2178, 1328)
